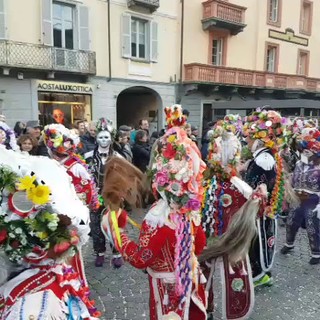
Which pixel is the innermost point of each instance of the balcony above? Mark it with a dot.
(45, 58)
(151, 5)
(223, 15)
(201, 73)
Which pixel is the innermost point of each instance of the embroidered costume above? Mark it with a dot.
(61, 144)
(265, 135)
(171, 236)
(42, 224)
(96, 160)
(306, 182)
(225, 197)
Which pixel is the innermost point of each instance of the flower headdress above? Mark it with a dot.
(309, 139)
(8, 136)
(34, 225)
(267, 126)
(225, 147)
(175, 116)
(176, 174)
(60, 139)
(104, 124)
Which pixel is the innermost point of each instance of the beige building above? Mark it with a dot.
(83, 59)
(126, 59)
(250, 53)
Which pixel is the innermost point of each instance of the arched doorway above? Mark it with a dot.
(136, 103)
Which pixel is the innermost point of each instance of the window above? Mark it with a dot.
(303, 63)
(272, 57)
(139, 38)
(306, 17)
(63, 26)
(217, 52)
(274, 12)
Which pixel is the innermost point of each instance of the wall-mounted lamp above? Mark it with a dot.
(20, 76)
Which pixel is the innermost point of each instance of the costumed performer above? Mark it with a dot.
(43, 224)
(7, 137)
(264, 132)
(61, 145)
(171, 236)
(228, 199)
(306, 183)
(96, 160)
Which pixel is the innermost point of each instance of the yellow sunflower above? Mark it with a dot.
(39, 195)
(26, 183)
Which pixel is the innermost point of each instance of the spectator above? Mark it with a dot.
(80, 125)
(88, 140)
(19, 128)
(122, 145)
(154, 137)
(27, 143)
(186, 113)
(207, 135)
(141, 151)
(34, 129)
(188, 129)
(143, 125)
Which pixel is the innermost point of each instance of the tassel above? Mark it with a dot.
(243, 270)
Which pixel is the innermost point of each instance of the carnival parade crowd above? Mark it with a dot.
(211, 203)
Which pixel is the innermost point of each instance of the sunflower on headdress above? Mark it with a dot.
(26, 183)
(39, 195)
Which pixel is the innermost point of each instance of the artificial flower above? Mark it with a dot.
(26, 183)
(61, 247)
(162, 178)
(3, 235)
(194, 204)
(39, 195)
(169, 152)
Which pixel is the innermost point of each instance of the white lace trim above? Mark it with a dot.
(242, 187)
(265, 161)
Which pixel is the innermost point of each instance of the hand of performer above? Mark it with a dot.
(123, 219)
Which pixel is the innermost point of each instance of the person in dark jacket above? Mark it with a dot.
(141, 151)
(88, 140)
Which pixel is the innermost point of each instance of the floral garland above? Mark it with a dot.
(175, 116)
(278, 191)
(310, 139)
(37, 233)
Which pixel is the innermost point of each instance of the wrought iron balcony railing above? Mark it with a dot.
(152, 5)
(39, 57)
(202, 73)
(224, 15)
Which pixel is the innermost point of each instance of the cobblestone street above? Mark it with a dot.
(123, 294)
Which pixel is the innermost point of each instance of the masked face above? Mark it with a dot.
(104, 139)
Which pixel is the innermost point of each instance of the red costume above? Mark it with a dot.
(155, 252)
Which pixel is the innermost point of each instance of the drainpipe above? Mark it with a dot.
(109, 41)
(181, 53)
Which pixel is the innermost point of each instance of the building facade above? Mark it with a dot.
(67, 60)
(250, 53)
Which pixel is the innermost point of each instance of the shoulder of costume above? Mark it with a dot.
(242, 187)
(265, 160)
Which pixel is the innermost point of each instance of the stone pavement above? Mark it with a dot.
(123, 294)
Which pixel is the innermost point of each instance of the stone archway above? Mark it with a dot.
(136, 103)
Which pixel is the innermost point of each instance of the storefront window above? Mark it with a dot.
(64, 108)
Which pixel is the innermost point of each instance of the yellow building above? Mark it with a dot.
(88, 59)
(250, 53)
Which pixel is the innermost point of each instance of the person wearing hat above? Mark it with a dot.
(34, 129)
(96, 160)
(306, 183)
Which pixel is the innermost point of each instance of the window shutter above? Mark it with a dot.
(154, 41)
(47, 27)
(220, 52)
(84, 40)
(3, 26)
(126, 35)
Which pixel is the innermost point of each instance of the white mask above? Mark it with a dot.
(104, 139)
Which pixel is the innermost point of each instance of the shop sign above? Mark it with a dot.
(288, 36)
(64, 87)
